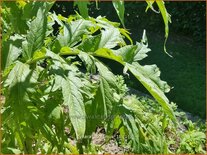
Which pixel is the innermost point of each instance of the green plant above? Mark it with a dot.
(58, 91)
(192, 142)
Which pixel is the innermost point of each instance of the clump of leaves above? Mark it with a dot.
(57, 90)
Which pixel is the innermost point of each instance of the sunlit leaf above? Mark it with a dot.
(82, 7)
(36, 34)
(119, 7)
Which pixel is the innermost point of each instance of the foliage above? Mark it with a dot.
(118, 8)
(57, 89)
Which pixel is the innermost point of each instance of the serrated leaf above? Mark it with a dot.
(20, 83)
(64, 36)
(73, 98)
(103, 101)
(105, 23)
(90, 44)
(78, 28)
(36, 35)
(110, 38)
(59, 65)
(133, 53)
(104, 96)
(20, 80)
(152, 84)
(88, 61)
(73, 32)
(107, 75)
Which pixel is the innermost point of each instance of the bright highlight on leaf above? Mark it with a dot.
(119, 7)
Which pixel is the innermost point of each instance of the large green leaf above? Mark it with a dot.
(119, 7)
(105, 23)
(20, 80)
(78, 29)
(110, 38)
(73, 31)
(73, 98)
(149, 77)
(90, 44)
(133, 53)
(36, 34)
(104, 98)
(107, 75)
(11, 50)
(20, 84)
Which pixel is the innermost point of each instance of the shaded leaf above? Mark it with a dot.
(11, 50)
